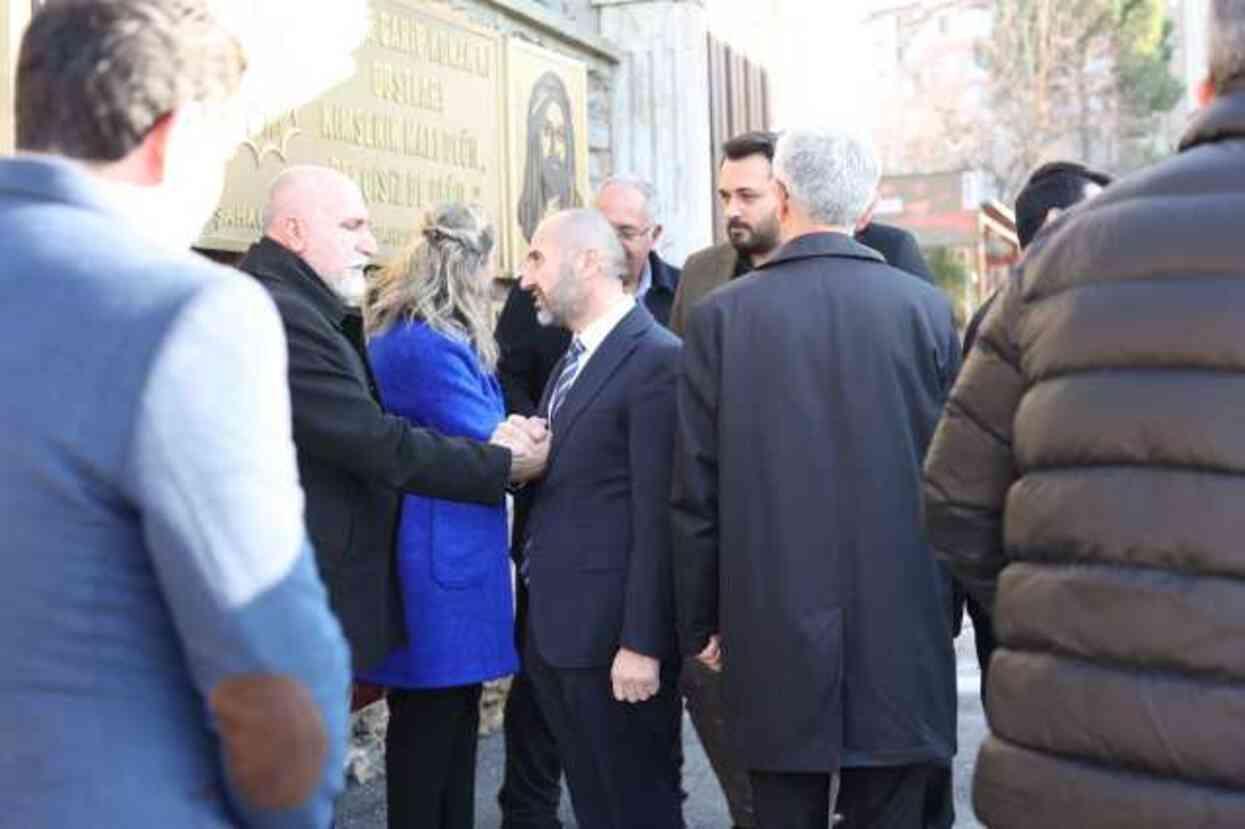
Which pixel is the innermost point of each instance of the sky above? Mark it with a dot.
(817, 52)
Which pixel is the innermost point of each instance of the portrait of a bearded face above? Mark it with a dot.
(549, 168)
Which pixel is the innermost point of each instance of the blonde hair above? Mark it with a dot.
(438, 281)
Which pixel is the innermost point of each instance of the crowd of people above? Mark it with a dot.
(238, 503)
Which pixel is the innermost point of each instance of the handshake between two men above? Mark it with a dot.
(527, 438)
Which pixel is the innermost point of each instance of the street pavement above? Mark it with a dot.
(363, 807)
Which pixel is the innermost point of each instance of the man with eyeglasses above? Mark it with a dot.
(531, 789)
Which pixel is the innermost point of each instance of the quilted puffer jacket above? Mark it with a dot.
(1089, 478)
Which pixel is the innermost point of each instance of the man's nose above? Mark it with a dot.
(368, 245)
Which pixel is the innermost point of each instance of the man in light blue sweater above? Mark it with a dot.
(169, 658)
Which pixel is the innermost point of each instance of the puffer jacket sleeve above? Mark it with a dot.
(970, 465)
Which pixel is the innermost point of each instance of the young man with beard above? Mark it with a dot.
(752, 225)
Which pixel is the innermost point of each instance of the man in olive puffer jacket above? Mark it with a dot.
(1088, 479)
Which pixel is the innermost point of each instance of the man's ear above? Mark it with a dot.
(148, 162)
(657, 229)
(1204, 92)
(295, 233)
(782, 197)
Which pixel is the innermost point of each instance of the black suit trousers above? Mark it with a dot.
(885, 797)
(532, 787)
(616, 755)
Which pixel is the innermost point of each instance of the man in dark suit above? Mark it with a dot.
(802, 569)
(531, 789)
(744, 179)
(600, 652)
(354, 460)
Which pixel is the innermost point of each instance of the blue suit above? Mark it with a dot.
(453, 563)
(598, 547)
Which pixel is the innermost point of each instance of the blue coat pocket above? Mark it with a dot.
(468, 544)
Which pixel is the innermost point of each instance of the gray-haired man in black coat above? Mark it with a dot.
(808, 394)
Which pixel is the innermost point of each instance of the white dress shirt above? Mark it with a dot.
(596, 331)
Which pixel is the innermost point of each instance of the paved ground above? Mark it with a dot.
(363, 807)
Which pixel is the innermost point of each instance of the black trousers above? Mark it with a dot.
(889, 797)
(532, 786)
(617, 755)
(983, 638)
(430, 757)
(702, 689)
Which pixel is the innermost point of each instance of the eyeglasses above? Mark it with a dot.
(632, 234)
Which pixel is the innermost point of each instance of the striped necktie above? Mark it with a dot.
(570, 368)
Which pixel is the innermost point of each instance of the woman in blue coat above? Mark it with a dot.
(434, 356)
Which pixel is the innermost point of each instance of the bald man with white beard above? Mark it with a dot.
(355, 461)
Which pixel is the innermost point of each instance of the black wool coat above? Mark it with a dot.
(354, 460)
(809, 392)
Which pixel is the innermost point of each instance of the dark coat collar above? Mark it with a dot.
(812, 245)
(662, 274)
(604, 362)
(270, 260)
(1222, 119)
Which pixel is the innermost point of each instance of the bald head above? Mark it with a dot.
(320, 215)
(575, 267)
(583, 229)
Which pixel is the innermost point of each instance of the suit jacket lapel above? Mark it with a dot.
(614, 349)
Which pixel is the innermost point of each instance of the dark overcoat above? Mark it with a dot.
(354, 460)
(809, 392)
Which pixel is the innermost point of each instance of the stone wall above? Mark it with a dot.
(660, 105)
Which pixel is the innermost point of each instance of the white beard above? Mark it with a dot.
(352, 288)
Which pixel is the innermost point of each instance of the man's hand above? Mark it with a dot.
(527, 438)
(711, 656)
(272, 736)
(636, 677)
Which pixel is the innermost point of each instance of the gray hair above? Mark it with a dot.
(831, 174)
(438, 279)
(586, 228)
(642, 186)
(1226, 47)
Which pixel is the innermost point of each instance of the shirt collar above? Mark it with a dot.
(596, 331)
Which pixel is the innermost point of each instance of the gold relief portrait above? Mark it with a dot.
(548, 129)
